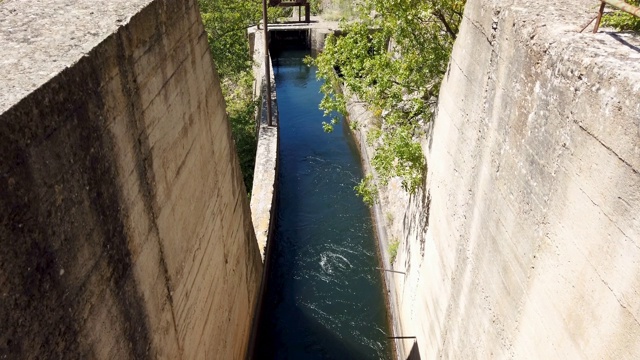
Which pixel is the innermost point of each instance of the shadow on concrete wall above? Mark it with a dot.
(306, 335)
(623, 41)
(415, 352)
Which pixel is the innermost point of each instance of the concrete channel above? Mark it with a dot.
(311, 36)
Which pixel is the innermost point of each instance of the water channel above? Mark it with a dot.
(324, 298)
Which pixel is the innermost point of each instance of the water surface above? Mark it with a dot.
(324, 298)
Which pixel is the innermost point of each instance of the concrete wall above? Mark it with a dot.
(265, 184)
(125, 228)
(525, 240)
(361, 121)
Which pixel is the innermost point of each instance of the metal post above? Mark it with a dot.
(393, 271)
(587, 24)
(595, 28)
(267, 71)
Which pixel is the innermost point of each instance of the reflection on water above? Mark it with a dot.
(325, 297)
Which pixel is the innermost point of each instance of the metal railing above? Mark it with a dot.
(619, 4)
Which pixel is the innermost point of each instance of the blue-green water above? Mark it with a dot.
(324, 298)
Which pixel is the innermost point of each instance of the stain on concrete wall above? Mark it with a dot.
(125, 229)
(525, 240)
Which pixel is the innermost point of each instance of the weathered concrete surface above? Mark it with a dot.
(361, 121)
(525, 240)
(265, 183)
(125, 228)
(263, 193)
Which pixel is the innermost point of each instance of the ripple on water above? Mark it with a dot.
(332, 262)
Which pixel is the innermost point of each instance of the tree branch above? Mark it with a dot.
(444, 21)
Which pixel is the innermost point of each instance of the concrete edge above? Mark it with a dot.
(264, 192)
(357, 114)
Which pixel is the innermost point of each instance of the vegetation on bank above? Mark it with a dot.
(226, 23)
(621, 20)
(393, 56)
(393, 250)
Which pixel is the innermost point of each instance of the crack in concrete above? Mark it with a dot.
(453, 60)
(609, 218)
(595, 270)
(608, 148)
(480, 30)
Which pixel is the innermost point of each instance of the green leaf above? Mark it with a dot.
(622, 20)
(393, 57)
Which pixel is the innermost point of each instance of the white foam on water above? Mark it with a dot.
(330, 262)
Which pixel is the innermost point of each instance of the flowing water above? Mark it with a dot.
(324, 298)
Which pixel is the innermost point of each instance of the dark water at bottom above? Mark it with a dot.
(325, 297)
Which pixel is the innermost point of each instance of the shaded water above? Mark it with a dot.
(324, 298)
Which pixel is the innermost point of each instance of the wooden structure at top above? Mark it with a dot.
(298, 3)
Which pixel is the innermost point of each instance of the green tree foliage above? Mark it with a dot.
(393, 57)
(226, 23)
(393, 250)
(240, 109)
(367, 190)
(622, 20)
(315, 7)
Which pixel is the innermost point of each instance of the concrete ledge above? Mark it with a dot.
(265, 181)
(263, 194)
(265, 175)
(37, 43)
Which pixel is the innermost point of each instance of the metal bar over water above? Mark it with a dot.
(393, 271)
